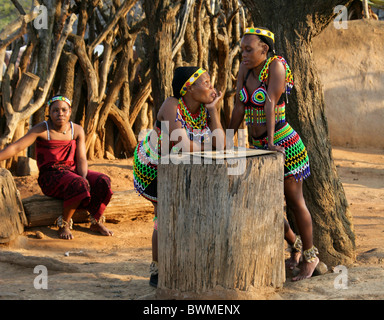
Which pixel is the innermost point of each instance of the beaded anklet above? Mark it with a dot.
(61, 223)
(298, 245)
(153, 268)
(310, 255)
(94, 221)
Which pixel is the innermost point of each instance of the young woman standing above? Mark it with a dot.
(262, 81)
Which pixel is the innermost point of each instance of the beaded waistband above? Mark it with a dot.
(257, 114)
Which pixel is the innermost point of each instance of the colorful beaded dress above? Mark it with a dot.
(148, 153)
(296, 156)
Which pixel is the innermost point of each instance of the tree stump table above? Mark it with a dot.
(220, 225)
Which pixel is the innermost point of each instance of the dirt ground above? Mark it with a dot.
(93, 267)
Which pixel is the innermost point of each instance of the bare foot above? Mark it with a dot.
(306, 270)
(99, 227)
(294, 260)
(65, 233)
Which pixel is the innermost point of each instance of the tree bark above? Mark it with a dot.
(161, 18)
(67, 76)
(295, 24)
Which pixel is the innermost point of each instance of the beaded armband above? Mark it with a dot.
(288, 74)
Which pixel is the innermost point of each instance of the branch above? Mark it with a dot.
(86, 66)
(29, 109)
(179, 38)
(125, 128)
(198, 33)
(18, 6)
(231, 17)
(17, 23)
(6, 84)
(113, 91)
(123, 10)
(141, 98)
(16, 29)
(105, 65)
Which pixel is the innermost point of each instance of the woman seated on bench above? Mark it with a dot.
(63, 167)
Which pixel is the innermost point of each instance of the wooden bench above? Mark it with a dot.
(124, 205)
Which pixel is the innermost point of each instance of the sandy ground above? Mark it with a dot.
(93, 267)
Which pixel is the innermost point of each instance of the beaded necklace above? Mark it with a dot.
(195, 124)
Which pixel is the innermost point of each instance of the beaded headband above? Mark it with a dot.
(191, 80)
(260, 32)
(59, 98)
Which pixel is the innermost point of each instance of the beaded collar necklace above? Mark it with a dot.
(195, 121)
(195, 124)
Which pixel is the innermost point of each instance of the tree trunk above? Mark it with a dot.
(67, 76)
(161, 18)
(294, 25)
(365, 9)
(218, 240)
(12, 216)
(127, 135)
(21, 97)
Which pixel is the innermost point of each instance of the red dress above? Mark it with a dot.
(58, 177)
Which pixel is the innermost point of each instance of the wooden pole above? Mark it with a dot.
(365, 9)
(221, 233)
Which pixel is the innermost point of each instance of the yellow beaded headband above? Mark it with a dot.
(59, 98)
(191, 80)
(260, 32)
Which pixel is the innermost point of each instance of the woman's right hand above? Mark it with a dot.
(276, 148)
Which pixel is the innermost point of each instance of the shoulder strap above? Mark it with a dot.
(46, 124)
(73, 133)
